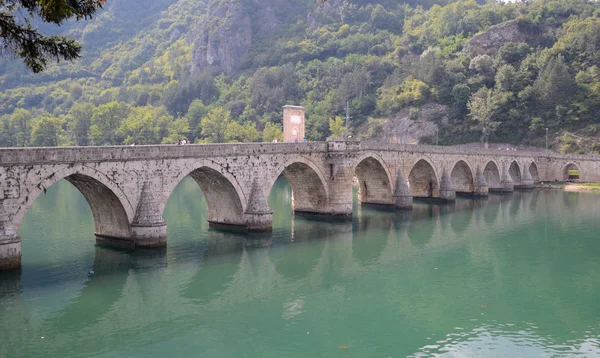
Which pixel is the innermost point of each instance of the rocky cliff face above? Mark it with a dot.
(222, 41)
(490, 41)
(410, 124)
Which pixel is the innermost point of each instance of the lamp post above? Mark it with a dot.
(546, 139)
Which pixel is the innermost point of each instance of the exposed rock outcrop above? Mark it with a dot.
(222, 41)
(411, 124)
(490, 41)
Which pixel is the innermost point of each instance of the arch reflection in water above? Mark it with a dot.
(103, 289)
(423, 223)
(371, 234)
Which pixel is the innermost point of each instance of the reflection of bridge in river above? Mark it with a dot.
(232, 275)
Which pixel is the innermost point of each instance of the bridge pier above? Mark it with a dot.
(526, 181)
(480, 186)
(340, 193)
(10, 244)
(447, 193)
(403, 198)
(506, 183)
(148, 228)
(259, 216)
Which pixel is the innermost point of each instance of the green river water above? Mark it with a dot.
(515, 275)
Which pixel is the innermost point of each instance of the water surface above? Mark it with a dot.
(515, 275)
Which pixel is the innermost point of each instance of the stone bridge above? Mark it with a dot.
(127, 188)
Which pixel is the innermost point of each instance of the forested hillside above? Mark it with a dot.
(154, 71)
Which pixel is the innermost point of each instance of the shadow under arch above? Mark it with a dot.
(423, 180)
(462, 177)
(374, 182)
(533, 170)
(515, 172)
(491, 172)
(224, 196)
(309, 190)
(111, 209)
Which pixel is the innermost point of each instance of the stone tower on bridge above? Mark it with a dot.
(293, 124)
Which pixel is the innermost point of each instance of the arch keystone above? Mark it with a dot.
(259, 216)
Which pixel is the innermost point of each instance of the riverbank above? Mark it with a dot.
(579, 187)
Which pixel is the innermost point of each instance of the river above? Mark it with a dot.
(514, 275)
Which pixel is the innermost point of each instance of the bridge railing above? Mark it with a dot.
(33, 155)
(422, 148)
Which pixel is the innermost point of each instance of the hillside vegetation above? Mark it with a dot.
(154, 71)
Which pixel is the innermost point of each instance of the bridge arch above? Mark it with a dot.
(514, 170)
(423, 179)
(309, 186)
(462, 177)
(572, 175)
(374, 180)
(491, 172)
(111, 209)
(224, 196)
(533, 170)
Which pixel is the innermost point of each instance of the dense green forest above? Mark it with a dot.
(154, 71)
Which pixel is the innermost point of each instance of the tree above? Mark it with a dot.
(19, 37)
(272, 131)
(336, 127)
(554, 85)
(178, 129)
(195, 113)
(139, 127)
(214, 125)
(483, 107)
(242, 133)
(46, 131)
(79, 121)
(106, 121)
(20, 120)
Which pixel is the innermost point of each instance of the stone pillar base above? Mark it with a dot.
(480, 191)
(526, 186)
(379, 206)
(448, 195)
(259, 222)
(115, 241)
(10, 255)
(499, 190)
(507, 187)
(324, 215)
(149, 236)
(404, 202)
